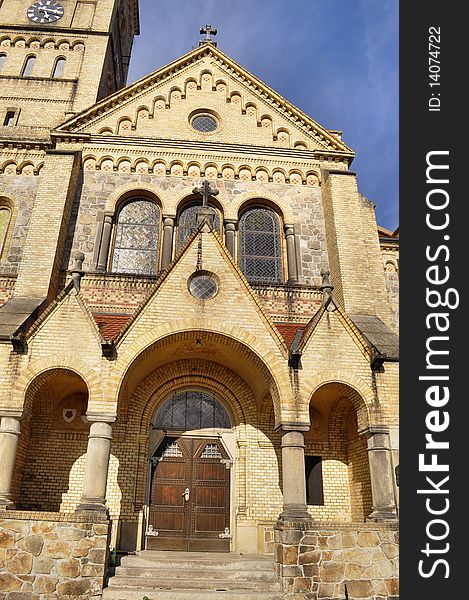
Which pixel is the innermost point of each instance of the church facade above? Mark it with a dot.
(198, 319)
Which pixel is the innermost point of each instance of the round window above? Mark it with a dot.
(204, 123)
(202, 285)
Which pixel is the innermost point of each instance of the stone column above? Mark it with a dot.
(97, 464)
(167, 246)
(9, 434)
(382, 486)
(293, 477)
(230, 229)
(291, 254)
(105, 244)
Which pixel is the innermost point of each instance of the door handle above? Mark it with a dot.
(186, 493)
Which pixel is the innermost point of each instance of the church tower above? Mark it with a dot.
(59, 56)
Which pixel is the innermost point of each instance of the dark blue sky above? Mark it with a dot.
(336, 60)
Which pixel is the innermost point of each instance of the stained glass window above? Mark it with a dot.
(191, 409)
(136, 240)
(187, 223)
(203, 286)
(204, 123)
(259, 246)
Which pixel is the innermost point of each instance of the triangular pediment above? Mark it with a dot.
(206, 81)
(67, 313)
(332, 336)
(234, 304)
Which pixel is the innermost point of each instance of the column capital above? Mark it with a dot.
(95, 417)
(371, 430)
(301, 426)
(230, 222)
(289, 229)
(169, 216)
(13, 413)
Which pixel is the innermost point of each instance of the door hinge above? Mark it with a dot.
(226, 534)
(151, 532)
(227, 462)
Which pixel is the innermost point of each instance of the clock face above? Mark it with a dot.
(45, 11)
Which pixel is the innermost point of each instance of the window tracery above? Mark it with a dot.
(187, 223)
(191, 409)
(136, 238)
(260, 256)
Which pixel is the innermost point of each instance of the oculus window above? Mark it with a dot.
(204, 123)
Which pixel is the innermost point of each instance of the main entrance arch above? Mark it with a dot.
(188, 501)
(197, 361)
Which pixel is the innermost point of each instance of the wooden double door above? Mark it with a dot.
(189, 504)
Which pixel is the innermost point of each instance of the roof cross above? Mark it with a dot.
(206, 191)
(208, 30)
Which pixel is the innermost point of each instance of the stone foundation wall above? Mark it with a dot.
(326, 561)
(52, 555)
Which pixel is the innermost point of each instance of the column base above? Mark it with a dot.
(7, 504)
(93, 505)
(294, 513)
(383, 514)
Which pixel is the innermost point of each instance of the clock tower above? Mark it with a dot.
(59, 56)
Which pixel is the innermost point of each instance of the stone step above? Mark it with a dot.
(175, 583)
(205, 572)
(162, 575)
(193, 560)
(130, 594)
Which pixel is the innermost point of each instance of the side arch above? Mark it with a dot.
(30, 377)
(364, 408)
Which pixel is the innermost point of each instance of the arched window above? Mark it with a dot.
(58, 68)
(136, 239)
(28, 66)
(3, 58)
(5, 215)
(191, 409)
(187, 223)
(260, 257)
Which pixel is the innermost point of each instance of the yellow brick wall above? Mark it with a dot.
(39, 269)
(351, 233)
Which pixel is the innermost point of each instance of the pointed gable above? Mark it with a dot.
(234, 303)
(205, 82)
(66, 327)
(330, 338)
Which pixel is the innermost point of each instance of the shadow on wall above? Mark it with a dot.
(52, 446)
